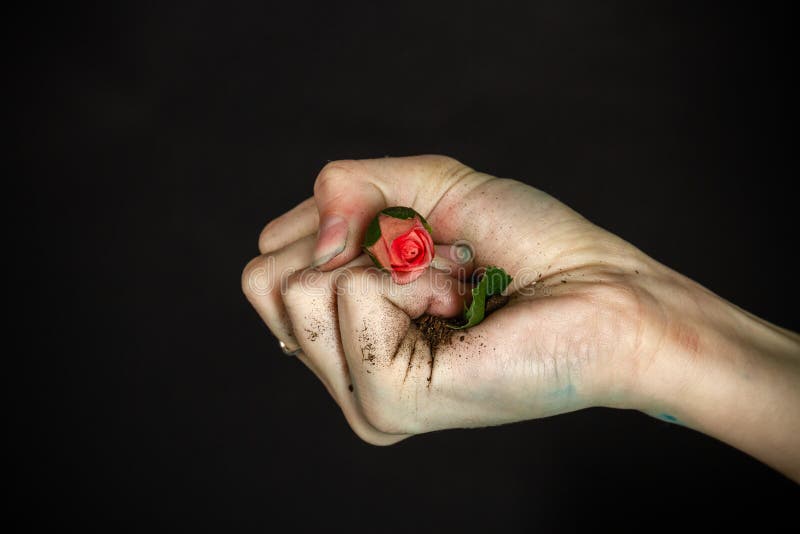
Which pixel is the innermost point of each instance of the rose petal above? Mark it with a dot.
(419, 262)
(391, 227)
(380, 251)
(398, 251)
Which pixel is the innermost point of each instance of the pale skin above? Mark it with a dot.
(592, 320)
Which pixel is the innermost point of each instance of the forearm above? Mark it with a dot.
(733, 376)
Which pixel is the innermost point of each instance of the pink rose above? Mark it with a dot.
(399, 241)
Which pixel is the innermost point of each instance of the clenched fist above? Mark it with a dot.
(591, 320)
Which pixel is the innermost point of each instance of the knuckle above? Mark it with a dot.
(258, 276)
(450, 168)
(355, 283)
(446, 161)
(334, 173)
(250, 276)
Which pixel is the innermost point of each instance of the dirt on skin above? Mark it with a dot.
(495, 302)
(437, 332)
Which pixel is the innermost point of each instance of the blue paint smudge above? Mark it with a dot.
(668, 417)
(566, 392)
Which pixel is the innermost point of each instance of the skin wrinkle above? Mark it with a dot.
(563, 359)
(381, 192)
(460, 177)
(337, 338)
(638, 352)
(431, 364)
(411, 356)
(322, 185)
(408, 343)
(624, 318)
(585, 252)
(413, 202)
(398, 346)
(443, 206)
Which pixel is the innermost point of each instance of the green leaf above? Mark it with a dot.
(497, 280)
(494, 281)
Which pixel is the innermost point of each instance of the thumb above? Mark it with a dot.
(349, 193)
(347, 198)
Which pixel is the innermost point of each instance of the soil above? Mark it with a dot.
(436, 332)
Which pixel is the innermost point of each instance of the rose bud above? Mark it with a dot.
(399, 241)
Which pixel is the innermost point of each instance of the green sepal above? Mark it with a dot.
(373, 233)
(403, 212)
(400, 212)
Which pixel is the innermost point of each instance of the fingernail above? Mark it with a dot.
(331, 241)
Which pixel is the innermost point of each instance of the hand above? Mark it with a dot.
(592, 321)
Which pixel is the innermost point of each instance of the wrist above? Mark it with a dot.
(724, 372)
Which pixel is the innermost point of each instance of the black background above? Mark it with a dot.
(153, 142)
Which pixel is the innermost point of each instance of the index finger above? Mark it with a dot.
(298, 222)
